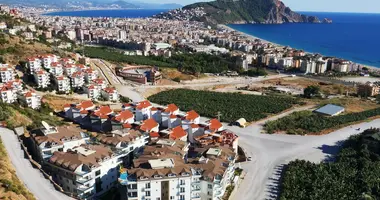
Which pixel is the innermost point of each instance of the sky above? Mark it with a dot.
(361, 6)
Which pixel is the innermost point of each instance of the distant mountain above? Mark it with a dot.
(82, 4)
(240, 11)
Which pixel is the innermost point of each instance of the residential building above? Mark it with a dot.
(123, 120)
(50, 139)
(8, 94)
(142, 110)
(86, 171)
(77, 112)
(48, 59)
(34, 64)
(93, 91)
(69, 69)
(368, 89)
(30, 99)
(77, 79)
(100, 82)
(7, 74)
(42, 79)
(90, 75)
(110, 94)
(169, 117)
(56, 69)
(62, 84)
(161, 172)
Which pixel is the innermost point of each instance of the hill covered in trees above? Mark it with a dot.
(354, 175)
(241, 11)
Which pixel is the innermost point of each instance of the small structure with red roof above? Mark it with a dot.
(149, 125)
(178, 133)
(142, 110)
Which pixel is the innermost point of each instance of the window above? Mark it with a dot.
(209, 186)
(147, 193)
(147, 185)
(182, 182)
(97, 173)
(182, 197)
(158, 198)
(208, 193)
(171, 197)
(182, 189)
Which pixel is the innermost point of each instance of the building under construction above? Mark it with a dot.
(140, 74)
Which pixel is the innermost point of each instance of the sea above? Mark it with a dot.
(351, 36)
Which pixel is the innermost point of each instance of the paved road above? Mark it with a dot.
(270, 152)
(41, 188)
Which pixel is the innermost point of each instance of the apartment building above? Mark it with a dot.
(90, 75)
(86, 171)
(8, 94)
(77, 79)
(30, 99)
(169, 169)
(100, 82)
(42, 78)
(62, 84)
(69, 69)
(7, 74)
(93, 91)
(110, 94)
(15, 85)
(48, 59)
(77, 112)
(50, 139)
(368, 89)
(34, 64)
(56, 69)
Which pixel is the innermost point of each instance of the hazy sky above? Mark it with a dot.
(365, 6)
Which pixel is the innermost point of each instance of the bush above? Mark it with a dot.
(124, 99)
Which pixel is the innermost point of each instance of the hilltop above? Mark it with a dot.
(240, 11)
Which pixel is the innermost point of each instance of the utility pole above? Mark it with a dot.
(219, 115)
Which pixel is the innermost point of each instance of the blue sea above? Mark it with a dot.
(130, 13)
(351, 36)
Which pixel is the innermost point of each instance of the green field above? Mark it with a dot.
(232, 106)
(304, 122)
(354, 175)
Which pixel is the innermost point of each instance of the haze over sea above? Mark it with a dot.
(352, 36)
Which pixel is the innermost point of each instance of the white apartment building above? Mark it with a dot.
(30, 99)
(90, 75)
(77, 79)
(7, 74)
(49, 139)
(164, 174)
(42, 79)
(93, 91)
(48, 59)
(63, 84)
(110, 94)
(69, 69)
(8, 95)
(341, 65)
(100, 82)
(87, 170)
(56, 69)
(34, 64)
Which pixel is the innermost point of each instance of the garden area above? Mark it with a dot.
(232, 106)
(307, 122)
(354, 175)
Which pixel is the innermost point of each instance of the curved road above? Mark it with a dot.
(41, 188)
(270, 152)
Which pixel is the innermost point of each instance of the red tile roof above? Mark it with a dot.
(85, 105)
(148, 125)
(109, 90)
(124, 115)
(171, 108)
(177, 133)
(103, 110)
(215, 124)
(126, 125)
(192, 115)
(28, 94)
(143, 104)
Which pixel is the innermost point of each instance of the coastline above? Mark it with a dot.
(252, 37)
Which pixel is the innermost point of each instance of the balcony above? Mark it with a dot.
(83, 180)
(196, 197)
(84, 188)
(195, 189)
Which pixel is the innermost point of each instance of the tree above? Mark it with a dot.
(311, 91)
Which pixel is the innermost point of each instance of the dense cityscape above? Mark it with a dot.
(169, 107)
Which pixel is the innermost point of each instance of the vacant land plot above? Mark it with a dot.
(231, 106)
